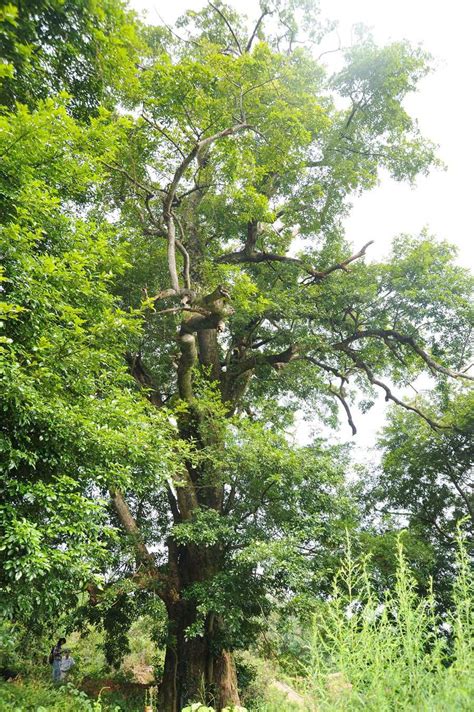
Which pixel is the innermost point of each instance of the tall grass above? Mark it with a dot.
(395, 652)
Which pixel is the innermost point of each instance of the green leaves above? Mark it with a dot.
(87, 48)
(73, 424)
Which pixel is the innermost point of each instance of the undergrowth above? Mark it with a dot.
(396, 651)
(366, 651)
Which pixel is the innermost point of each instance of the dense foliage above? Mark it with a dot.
(71, 424)
(424, 484)
(86, 48)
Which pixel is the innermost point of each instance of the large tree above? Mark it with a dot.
(232, 179)
(197, 243)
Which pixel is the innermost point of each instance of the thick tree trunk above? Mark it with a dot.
(195, 670)
(197, 667)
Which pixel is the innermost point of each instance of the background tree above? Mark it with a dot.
(425, 481)
(72, 425)
(232, 179)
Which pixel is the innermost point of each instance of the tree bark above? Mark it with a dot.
(196, 669)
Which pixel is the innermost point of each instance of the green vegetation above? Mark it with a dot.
(360, 653)
(178, 293)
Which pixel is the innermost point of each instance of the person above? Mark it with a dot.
(67, 662)
(55, 659)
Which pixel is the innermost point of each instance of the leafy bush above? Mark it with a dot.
(38, 697)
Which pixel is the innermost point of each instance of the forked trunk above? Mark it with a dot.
(195, 670)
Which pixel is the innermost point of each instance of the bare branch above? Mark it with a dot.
(255, 30)
(318, 275)
(246, 256)
(151, 215)
(229, 26)
(196, 189)
(338, 393)
(389, 396)
(455, 481)
(340, 396)
(148, 190)
(128, 522)
(161, 130)
(172, 32)
(326, 367)
(200, 145)
(407, 340)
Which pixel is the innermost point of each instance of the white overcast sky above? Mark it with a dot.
(444, 107)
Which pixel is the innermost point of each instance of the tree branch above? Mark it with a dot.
(146, 189)
(128, 522)
(263, 494)
(277, 361)
(388, 393)
(416, 515)
(340, 396)
(249, 256)
(160, 130)
(229, 26)
(318, 275)
(403, 339)
(168, 200)
(172, 268)
(326, 367)
(454, 480)
(255, 30)
(184, 252)
(139, 373)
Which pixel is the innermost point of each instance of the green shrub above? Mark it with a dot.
(39, 697)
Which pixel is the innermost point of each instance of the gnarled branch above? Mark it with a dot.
(251, 257)
(407, 340)
(389, 396)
